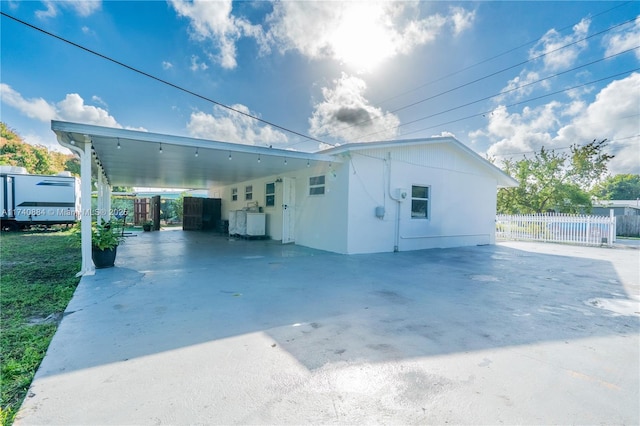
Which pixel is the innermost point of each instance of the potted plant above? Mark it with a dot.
(104, 243)
(146, 226)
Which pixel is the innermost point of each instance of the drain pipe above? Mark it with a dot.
(396, 242)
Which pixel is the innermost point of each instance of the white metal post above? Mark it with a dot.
(85, 207)
(612, 228)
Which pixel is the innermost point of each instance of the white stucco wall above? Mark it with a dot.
(461, 206)
(320, 220)
(462, 202)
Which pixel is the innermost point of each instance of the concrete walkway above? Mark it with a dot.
(191, 328)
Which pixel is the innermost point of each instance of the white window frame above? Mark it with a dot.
(248, 193)
(314, 186)
(426, 199)
(268, 194)
(234, 194)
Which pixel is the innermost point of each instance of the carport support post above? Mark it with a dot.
(85, 207)
(104, 198)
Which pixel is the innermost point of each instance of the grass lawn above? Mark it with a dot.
(37, 280)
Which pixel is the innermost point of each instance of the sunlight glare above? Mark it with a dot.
(362, 40)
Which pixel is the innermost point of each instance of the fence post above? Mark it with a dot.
(612, 228)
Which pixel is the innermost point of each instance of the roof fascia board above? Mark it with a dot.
(63, 127)
(504, 180)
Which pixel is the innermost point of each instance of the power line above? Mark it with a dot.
(158, 79)
(513, 104)
(495, 57)
(511, 90)
(493, 74)
(560, 148)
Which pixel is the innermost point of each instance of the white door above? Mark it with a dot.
(288, 210)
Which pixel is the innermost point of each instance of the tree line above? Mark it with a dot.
(37, 159)
(550, 181)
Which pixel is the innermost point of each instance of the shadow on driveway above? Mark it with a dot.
(269, 322)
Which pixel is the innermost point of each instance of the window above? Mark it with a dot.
(316, 185)
(248, 192)
(419, 202)
(234, 194)
(270, 195)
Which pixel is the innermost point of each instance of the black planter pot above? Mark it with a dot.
(146, 228)
(103, 258)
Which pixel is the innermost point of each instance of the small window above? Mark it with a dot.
(419, 202)
(270, 195)
(248, 192)
(234, 194)
(316, 185)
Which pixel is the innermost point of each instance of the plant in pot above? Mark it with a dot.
(104, 243)
(146, 226)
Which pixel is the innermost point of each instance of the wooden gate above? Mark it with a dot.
(140, 211)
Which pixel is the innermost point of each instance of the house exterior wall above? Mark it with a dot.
(320, 220)
(462, 202)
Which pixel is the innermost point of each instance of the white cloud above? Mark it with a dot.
(228, 126)
(558, 58)
(81, 7)
(360, 34)
(196, 64)
(212, 20)
(462, 19)
(166, 65)
(346, 114)
(521, 86)
(71, 108)
(36, 108)
(98, 100)
(612, 115)
(444, 134)
(623, 39)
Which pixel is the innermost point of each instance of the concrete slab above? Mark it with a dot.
(194, 328)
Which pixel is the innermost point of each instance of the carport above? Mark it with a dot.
(120, 157)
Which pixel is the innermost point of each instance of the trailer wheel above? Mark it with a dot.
(9, 226)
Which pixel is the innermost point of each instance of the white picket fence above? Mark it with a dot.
(558, 228)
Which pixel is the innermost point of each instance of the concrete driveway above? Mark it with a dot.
(191, 328)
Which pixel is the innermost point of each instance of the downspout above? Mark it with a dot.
(396, 242)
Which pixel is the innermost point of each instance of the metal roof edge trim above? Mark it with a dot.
(65, 127)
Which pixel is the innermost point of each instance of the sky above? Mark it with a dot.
(504, 78)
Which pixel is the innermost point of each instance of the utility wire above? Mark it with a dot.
(158, 79)
(493, 74)
(512, 89)
(496, 56)
(560, 148)
(510, 105)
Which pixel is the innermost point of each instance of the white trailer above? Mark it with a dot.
(27, 200)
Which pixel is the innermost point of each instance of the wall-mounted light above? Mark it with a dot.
(308, 164)
(230, 157)
(160, 150)
(258, 158)
(285, 161)
(196, 154)
(119, 144)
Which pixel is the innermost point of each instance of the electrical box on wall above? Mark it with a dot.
(380, 212)
(402, 194)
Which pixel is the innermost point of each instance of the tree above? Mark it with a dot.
(551, 181)
(619, 187)
(36, 159)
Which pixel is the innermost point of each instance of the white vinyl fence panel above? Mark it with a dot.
(558, 228)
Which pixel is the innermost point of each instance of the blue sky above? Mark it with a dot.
(502, 77)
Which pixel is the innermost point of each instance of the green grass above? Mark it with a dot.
(37, 280)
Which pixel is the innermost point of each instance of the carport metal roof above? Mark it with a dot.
(135, 158)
